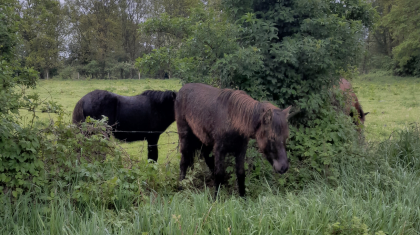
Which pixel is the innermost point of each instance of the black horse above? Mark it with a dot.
(149, 113)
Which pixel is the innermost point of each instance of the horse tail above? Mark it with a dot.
(78, 115)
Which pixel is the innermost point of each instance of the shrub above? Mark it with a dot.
(67, 72)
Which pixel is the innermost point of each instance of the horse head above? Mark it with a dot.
(272, 135)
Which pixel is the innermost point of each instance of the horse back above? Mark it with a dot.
(197, 109)
(100, 103)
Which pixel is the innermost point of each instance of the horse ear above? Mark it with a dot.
(268, 116)
(367, 113)
(286, 111)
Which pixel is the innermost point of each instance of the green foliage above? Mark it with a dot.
(19, 145)
(289, 52)
(42, 33)
(404, 148)
(162, 59)
(67, 72)
(8, 28)
(210, 51)
(410, 68)
(87, 158)
(312, 41)
(372, 196)
(402, 22)
(355, 226)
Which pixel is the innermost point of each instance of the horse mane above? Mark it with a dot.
(245, 113)
(159, 96)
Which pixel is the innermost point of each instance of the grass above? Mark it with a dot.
(393, 103)
(379, 192)
(383, 200)
(68, 92)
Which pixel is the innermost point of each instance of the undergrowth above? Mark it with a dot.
(375, 194)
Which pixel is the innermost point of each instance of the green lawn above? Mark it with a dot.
(68, 92)
(393, 103)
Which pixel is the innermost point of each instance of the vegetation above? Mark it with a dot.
(370, 198)
(393, 103)
(66, 93)
(56, 177)
(393, 44)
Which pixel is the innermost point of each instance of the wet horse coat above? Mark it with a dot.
(151, 111)
(223, 121)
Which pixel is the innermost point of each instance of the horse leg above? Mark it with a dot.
(205, 153)
(240, 169)
(219, 168)
(152, 147)
(187, 142)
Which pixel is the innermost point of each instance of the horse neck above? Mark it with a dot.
(246, 117)
(165, 111)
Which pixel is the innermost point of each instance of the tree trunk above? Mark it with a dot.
(139, 75)
(46, 73)
(77, 75)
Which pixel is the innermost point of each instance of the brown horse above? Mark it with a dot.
(222, 121)
(352, 101)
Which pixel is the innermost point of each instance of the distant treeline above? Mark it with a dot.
(90, 38)
(102, 38)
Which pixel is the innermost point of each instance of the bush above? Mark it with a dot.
(67, 72)
(411, 68)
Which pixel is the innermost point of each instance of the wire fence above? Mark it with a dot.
(170, 152)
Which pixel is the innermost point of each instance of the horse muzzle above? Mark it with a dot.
(280, 166)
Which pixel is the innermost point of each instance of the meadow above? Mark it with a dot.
(375, 194)
(68, 92)
(393, 103)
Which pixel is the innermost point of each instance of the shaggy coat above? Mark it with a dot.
(352, 101)
(210, 119)
(151, 111)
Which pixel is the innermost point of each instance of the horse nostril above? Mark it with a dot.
(284, 169)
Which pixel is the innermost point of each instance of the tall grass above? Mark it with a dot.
(381, 190)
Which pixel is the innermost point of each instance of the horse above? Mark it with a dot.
(352, 101)
(140, 117)
(223, 120)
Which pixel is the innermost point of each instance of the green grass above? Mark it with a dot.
(393, 103)
(382, 200)
(381, 189)
(68, 92)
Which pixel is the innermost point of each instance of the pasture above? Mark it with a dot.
(376, 198)
(68, 92)
(393, 103)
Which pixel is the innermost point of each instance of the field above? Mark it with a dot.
(393, 103)
(381, 197)
(68, 92)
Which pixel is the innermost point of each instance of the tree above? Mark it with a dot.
(19, 163)
(204, 48)
(402, 22)
(42, 31)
